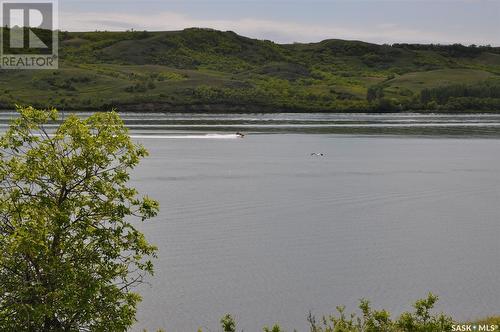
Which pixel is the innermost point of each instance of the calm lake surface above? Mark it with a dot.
(400, 205)
(260, 228)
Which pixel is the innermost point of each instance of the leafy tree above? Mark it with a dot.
(275, 328)
(71, 254)
(385, 105)
(423, 320)
(228, 323)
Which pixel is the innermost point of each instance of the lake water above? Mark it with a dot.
(398, 206)
(260, 228)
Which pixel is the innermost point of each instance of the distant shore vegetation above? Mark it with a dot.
(214, 71)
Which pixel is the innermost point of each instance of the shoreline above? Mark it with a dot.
(257, 110)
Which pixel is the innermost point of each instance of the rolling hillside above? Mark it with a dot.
(208, 70)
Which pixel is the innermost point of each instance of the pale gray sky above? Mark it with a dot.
(380, 21)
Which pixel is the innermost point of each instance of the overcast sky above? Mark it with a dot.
(380, 21)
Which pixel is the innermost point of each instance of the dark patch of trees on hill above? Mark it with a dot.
(443, 94)
(454, 50)
(357, 48)
(379, 103)
(483, 96)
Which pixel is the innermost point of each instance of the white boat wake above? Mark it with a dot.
(205, 136)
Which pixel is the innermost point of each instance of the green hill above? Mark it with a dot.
(208, 70)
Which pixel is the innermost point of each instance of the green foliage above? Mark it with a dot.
(57, 81)
(454, 50)
(443, 94)
(492, 320)
(480, 96)
(137, 69)
(275, 328)
(422, 320)
(228, 323)
(71, 255)
(138, 87)
(374, 93)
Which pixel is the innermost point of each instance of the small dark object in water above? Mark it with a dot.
(316, 154)
(241, 135)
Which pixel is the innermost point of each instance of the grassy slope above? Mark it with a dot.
(199, 69)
